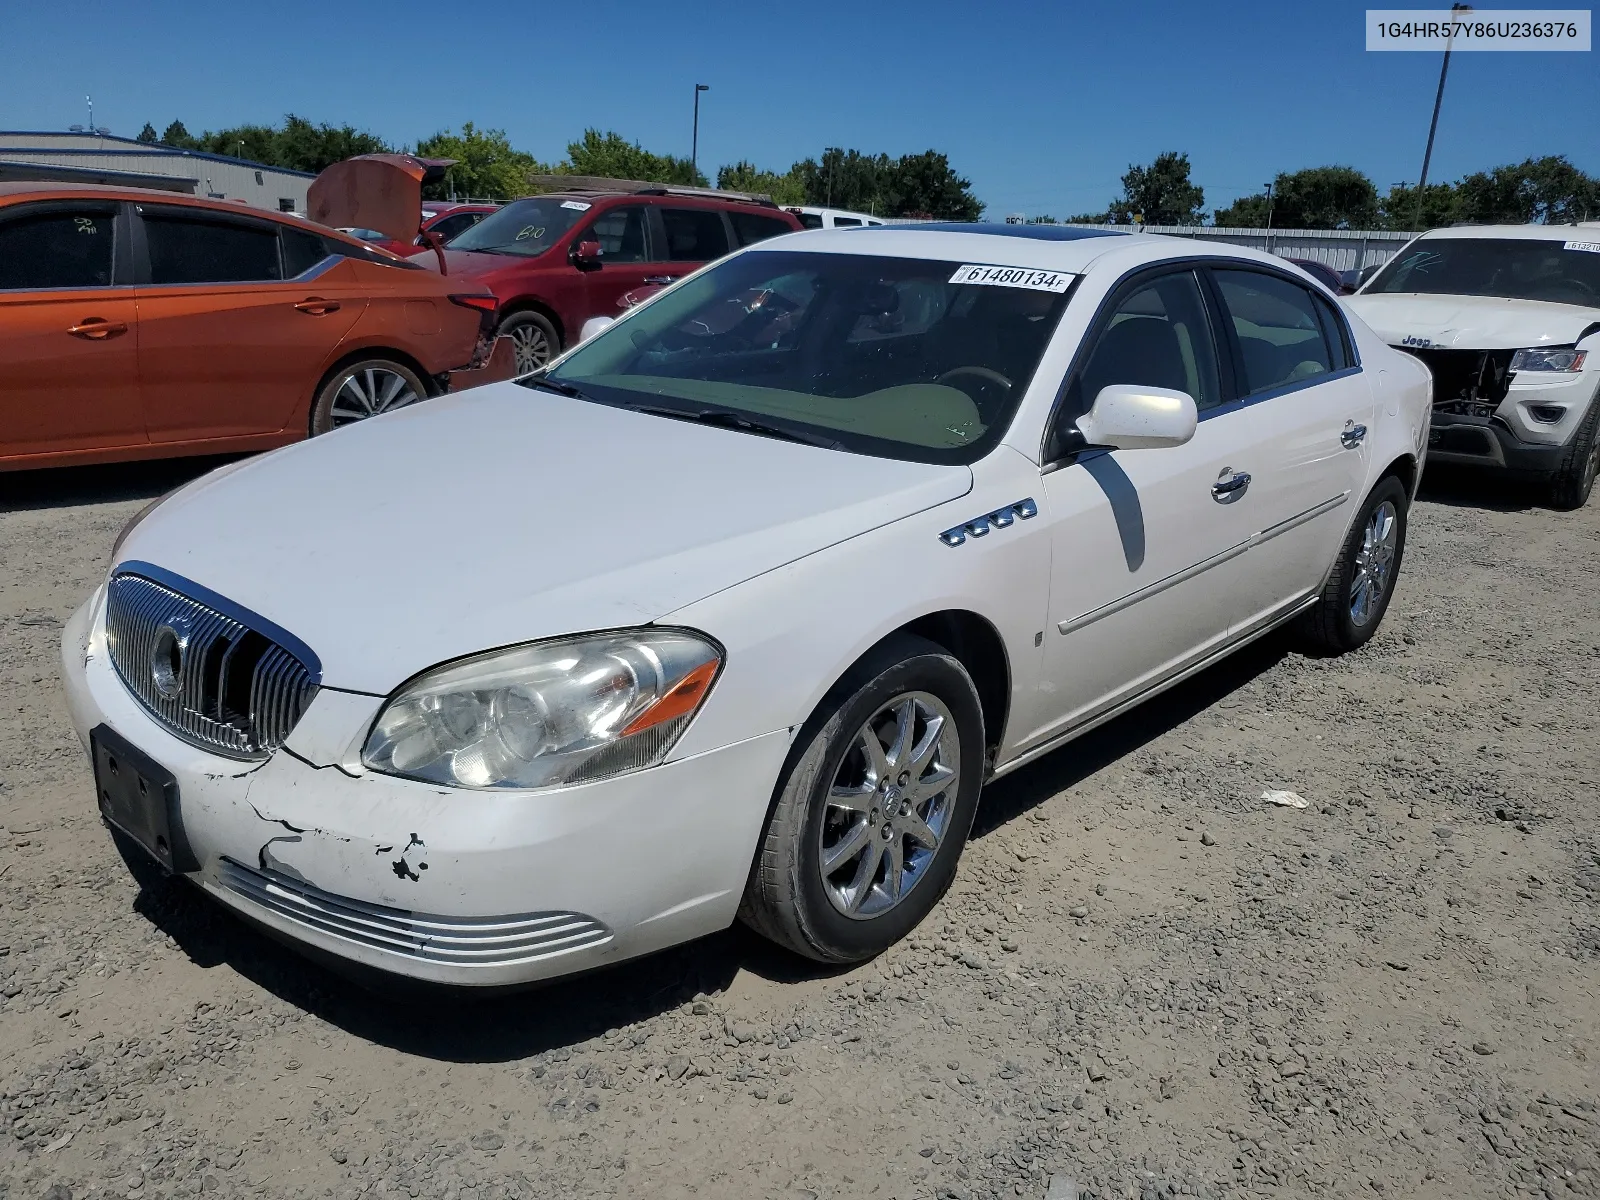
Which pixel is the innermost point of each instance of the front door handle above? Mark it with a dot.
(1230, 485)
(1353, 435)
(317, 306)
(98, 329)
(661, 279)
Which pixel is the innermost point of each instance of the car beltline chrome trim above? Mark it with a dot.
(1116, 707)
(1216, 560)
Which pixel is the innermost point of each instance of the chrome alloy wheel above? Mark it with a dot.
(1374, 563)
(889, 804)
(371, 391)
(531, 345)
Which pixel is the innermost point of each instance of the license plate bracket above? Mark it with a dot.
(138, 797)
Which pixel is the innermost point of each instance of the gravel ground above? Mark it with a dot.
(1146, 982)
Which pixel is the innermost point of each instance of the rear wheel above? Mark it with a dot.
(534, 338)
(1574, 480)
(873, 814)
(1359, 588)
(365, 389)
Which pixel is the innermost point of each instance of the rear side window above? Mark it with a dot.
(301, 251)
(59, 249)
(755, 227)
(188, 251)
(694, 234)
(1280, 334)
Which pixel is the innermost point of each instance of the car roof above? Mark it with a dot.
(1589, 231)
(1042, 247)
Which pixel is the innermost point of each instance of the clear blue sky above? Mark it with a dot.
(1042, 104)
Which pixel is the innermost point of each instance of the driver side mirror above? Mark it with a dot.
(587, 254)
(1127, 416)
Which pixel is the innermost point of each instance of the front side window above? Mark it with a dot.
(523, 228)
(184, 250)
(1158, 336)
(1280, 336)
(448, 227)
(845, 222)
(1561, 272)
(620, 232)
(884, 356)
(59, 249)
(694, 234)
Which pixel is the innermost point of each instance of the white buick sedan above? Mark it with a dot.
(732, 611)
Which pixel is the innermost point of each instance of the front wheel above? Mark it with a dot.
(1574, 480)
(874, 811)
(1361, 584)
(533, 337)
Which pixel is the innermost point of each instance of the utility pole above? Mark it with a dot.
(1438, 98)
(694, 146)
(1269, 215)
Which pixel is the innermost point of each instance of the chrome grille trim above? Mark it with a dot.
(242, 684)
(459, 941)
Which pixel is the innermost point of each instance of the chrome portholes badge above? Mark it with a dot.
(1000, 518)
(167, 654)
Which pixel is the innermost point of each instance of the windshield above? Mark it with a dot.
(1517, 269)
(525, 227)
(885, 356)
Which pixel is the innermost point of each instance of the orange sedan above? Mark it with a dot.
(142, 324)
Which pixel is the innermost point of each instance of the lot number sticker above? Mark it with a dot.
(579, 205)
(1017, 277)
(1586, 247)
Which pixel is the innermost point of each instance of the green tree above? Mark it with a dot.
(1549, 190)
(745, 176)
(923, 184)
(302, 146)
(914, 185)
(1160, 194)
(1316, 198)
(486, 165)
(147, 134)
(1441, 206)
(176, 135)
(611, 156)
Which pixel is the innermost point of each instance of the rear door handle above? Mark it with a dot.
(1230, 485)
(317, 306)
(661, 279)
(1353, 435)
(97, 329)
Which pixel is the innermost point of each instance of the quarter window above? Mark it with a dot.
(1158, 336)
(694, 234)
(58, 249)
(620, 232)
(189, 251)
(1281, 339)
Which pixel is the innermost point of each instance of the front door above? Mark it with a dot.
(228, 347)
(69, 377)
(1146, 543)
(1307, 404)
(624, 266)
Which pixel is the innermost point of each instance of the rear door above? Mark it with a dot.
(235, 329)
(69, 377)
(690, 238)
(624, 234)
(1307, 406)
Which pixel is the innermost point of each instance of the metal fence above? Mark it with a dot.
(1341, 249)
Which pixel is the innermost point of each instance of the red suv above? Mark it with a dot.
(555, 261)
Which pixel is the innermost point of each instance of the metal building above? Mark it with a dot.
(101, 158)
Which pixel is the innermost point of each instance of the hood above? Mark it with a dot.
(506, 515)
(1471, 322)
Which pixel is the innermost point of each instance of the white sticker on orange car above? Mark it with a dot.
(1017, 277)
(577, 205)
(1586, 247)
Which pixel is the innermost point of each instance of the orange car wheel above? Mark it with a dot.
(363, 389)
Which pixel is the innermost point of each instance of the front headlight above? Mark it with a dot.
(560, 712)
(1549, 360)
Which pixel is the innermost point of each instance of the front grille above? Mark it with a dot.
(214, 678)
(461, 941)
(1468, 382)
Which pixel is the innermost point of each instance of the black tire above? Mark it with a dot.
(534, 337)
(333, 410)
(787, 898)
(1332, 627)
(1574, 480)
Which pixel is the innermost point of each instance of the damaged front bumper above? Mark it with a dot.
(475, 888)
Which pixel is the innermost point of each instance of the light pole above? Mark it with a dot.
(1438, 98)
(694, 146)
(1270, 182)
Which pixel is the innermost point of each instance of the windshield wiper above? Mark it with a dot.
(551, 385)
(728, 418)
